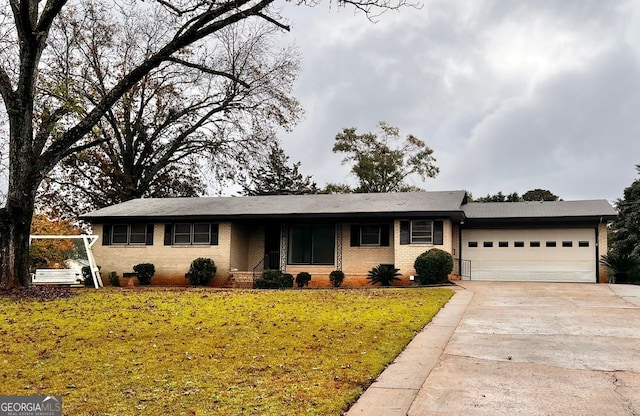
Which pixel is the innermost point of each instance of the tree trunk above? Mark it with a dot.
(16, 216)
(15, 226)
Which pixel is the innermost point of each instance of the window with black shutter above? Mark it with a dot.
(372, 235)
(127, 234)
(422, 231)
(191, 234)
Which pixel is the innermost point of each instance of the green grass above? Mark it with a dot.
(208, 352)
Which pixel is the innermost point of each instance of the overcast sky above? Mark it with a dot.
(510, 95)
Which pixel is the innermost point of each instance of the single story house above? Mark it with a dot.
(534, 241)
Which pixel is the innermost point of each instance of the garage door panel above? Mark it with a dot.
(558, 258)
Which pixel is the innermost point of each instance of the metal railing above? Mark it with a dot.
(262, 262)
(465, 268)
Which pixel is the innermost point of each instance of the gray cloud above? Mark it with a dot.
(510, 95)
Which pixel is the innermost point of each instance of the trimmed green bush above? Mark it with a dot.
(201, 271)
(114, 279)
(383, 274)
(273, 279)
(144, 272)
(303, 279)
(433, 266)
(336, 277)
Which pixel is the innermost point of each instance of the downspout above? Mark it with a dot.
(460, 249)
(598, 250)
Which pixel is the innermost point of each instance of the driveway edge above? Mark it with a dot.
(396, 388)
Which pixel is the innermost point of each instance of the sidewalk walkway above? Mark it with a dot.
(397, 387)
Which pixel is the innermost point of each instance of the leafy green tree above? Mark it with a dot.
(532, 195)
(276, 177)
(500, 197)
(50, 116)
(625, 229)
(383, 161)
(539, 195)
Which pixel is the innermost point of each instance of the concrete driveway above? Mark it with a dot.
(502, 348)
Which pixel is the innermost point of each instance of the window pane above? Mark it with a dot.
(182, 234)
(518, 244)
(550, 244)
(583, 244)
(300, 245)
(503, 244)
(201, 233)
(534, 244)
(487, 244)
(567, 244)
(370, 235)
(138, 234)
(473, 244)
(421, 231)
(323, 244)
(119, 234)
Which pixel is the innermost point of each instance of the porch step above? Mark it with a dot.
(241, 280)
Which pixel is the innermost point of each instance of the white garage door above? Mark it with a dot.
(548, 255)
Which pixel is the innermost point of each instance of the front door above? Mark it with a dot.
(272, 246)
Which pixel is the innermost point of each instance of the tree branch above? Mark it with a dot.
(208, 70)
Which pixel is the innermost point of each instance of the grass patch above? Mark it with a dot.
(207, 352)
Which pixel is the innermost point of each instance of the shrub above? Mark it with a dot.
(336, 277)
(433, 266)
(622, 266)
(303, 279)
(383, 274)
(273, 279)
(86, 275)
(145, 272)
(201, 271)
(114, 279)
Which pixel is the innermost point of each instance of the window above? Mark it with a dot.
(567, 244)
(312, 244)
(503, 244)
(127, 234)
(550, 244)
(422, 232)
(487, 244)
(518, 243)
(583, 244)
(473, 244)
(191, 234)
(370, 235)
(534, 244)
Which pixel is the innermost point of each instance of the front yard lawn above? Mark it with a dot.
(207, 352)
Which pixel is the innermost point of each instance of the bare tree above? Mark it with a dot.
(45, 128)
(178, 118)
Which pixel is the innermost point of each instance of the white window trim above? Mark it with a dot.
(191, 234)
(128, 235)
(411, 240)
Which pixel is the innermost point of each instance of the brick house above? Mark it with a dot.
(543, 241)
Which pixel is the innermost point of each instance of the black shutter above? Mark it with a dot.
(106, 234)
(355, 235)
(405, 237)
(438, 232)
(214, 234)
(384, 235)
(149, 241)
(168, 234)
